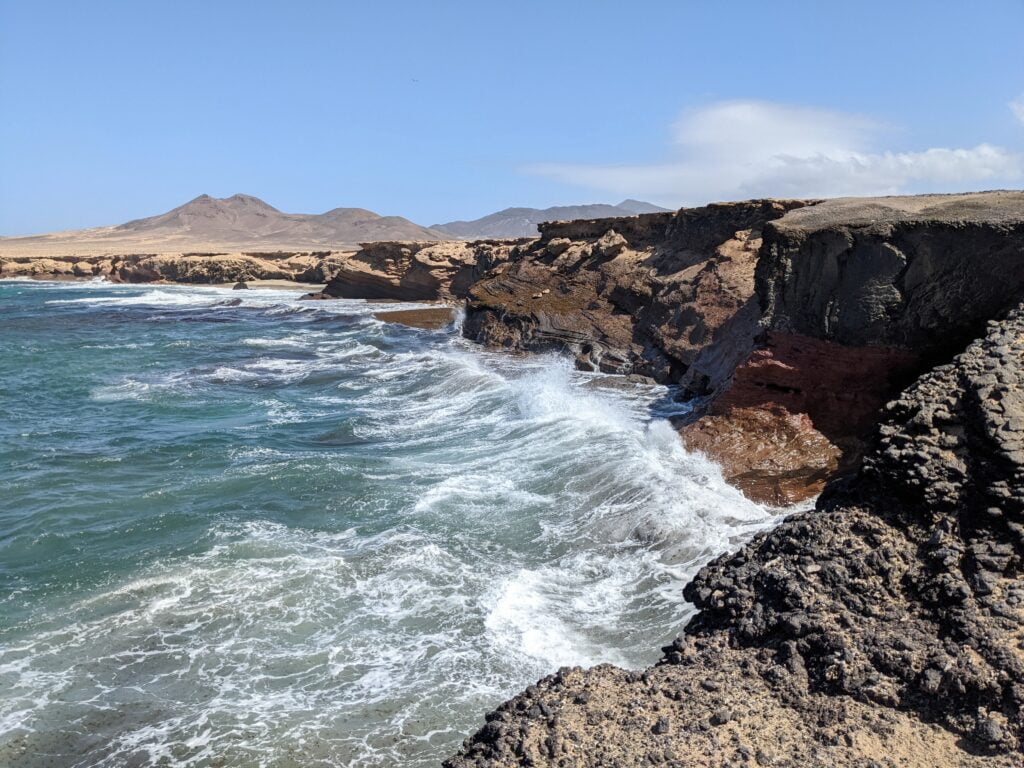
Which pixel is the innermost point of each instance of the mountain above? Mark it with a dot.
(246, 223)
(239, 222)
(522, 222)
(244, 218)
(639, 206)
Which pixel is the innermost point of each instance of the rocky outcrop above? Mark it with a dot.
(304, 267)
(858, 297)
(793, 320)
(647, 294)
(415, 271)
(883, 628)
(670, 296)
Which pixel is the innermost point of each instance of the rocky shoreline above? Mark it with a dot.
(867, 350)
(884, 627)
(312, 267)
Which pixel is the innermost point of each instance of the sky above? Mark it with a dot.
(439, 110)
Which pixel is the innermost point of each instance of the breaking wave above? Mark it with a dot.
(319, 539)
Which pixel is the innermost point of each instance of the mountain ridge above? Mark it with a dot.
(246, 222)
(522, 221)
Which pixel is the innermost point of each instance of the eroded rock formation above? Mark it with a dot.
(646, 294)
(304, 267)
(884, 628)
(415, 271)
(858, 296)
(795, 320)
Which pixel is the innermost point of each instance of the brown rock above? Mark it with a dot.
(217, 268)
(858, 633)
(415, 271)
(431, 319)
(772, 455)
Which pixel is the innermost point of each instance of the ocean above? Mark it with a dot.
(283, 533)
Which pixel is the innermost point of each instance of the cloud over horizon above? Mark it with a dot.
(744, 149)
(1017, 107)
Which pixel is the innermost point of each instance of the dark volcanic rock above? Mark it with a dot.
(859, 296)
(886, 627)
(647, 294)
(854, 298)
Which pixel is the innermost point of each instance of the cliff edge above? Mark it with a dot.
(793, 321)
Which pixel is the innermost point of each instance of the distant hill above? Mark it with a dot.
(639, 206)
(239, 222)
(243, 218)
(246, 223)
(522, 222)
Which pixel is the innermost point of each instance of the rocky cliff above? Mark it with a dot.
(644, 295)
(883, 628)
(416, 271)
(794, 320)
(858, 297)
(304, 267)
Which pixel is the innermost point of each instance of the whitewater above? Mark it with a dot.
(282, 533)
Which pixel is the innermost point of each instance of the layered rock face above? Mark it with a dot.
(648, 294)
(416, 271)
(885, 627)
(796, 320)
(859, 296)
(305, 267)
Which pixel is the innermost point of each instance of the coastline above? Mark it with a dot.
(810, 336)
(882, 627)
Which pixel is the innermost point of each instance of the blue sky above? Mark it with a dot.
(444, 110)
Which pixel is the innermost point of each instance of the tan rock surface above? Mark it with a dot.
(415, 271)
(306, 267)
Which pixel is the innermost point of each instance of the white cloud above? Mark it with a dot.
(1017, 107)
(741, 149)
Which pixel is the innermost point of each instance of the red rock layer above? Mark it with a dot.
(796, 411)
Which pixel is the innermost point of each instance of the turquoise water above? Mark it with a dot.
(283, 533)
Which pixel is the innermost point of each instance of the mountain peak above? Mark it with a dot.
(244, 218)
(639, 206)
(238, 200)
(248, 200)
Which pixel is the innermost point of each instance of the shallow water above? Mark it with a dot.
(285, 533)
